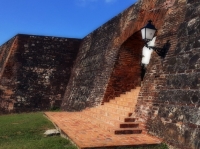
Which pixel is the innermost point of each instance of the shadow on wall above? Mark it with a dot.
(126, 74)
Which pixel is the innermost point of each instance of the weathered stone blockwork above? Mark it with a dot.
(35, 72)
(4, 54)
(92, 69)
(169, 98)
(102, 64)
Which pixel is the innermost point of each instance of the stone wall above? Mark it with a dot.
(4, 53)
(169, 98)
(101, 70)
(92, 68)
(36, 72)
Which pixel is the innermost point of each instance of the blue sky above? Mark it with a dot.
(62, 18)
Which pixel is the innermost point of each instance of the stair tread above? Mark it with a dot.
(117, 120)
(130, 119)
(107, 107)
(103, 125)
(114, 112)
(108, 103)
(107, 122)
(128, 129)
(128, 123)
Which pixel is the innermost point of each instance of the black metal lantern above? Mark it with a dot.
(148, 31)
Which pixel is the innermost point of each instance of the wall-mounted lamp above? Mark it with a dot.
(148, 33)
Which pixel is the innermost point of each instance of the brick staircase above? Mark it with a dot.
(107, 125)
(115, 115)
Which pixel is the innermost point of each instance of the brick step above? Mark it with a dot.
(109, 125)
(133, 92)
(129, 125)
(125, 131)
(123, 102)
(136, 90)
(129, 95)
(125, 99)
(141, 124)
(117, 111)
(107, 119)
(111, 111)
(125, 108)
(135, 120)
(112, 125)
(130, 119)
(104, 115)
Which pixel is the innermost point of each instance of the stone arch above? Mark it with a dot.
(126, 73)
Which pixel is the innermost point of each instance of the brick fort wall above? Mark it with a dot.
(38, 72)
(169, 97)
(108, 62)
(35, 72)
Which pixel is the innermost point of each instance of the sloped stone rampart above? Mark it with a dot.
(36, 72)
(94, 73)
(4, 53)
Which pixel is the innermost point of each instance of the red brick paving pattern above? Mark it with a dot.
(95, 127)
(86, 134)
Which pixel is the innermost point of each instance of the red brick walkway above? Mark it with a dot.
(108, 125)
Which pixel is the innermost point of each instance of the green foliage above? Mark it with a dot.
(25, 131)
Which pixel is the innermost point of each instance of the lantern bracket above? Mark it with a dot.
(160, 51)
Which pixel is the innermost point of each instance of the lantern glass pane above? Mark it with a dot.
(143, 33)
(150, 33)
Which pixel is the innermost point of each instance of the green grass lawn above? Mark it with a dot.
(25, 131)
